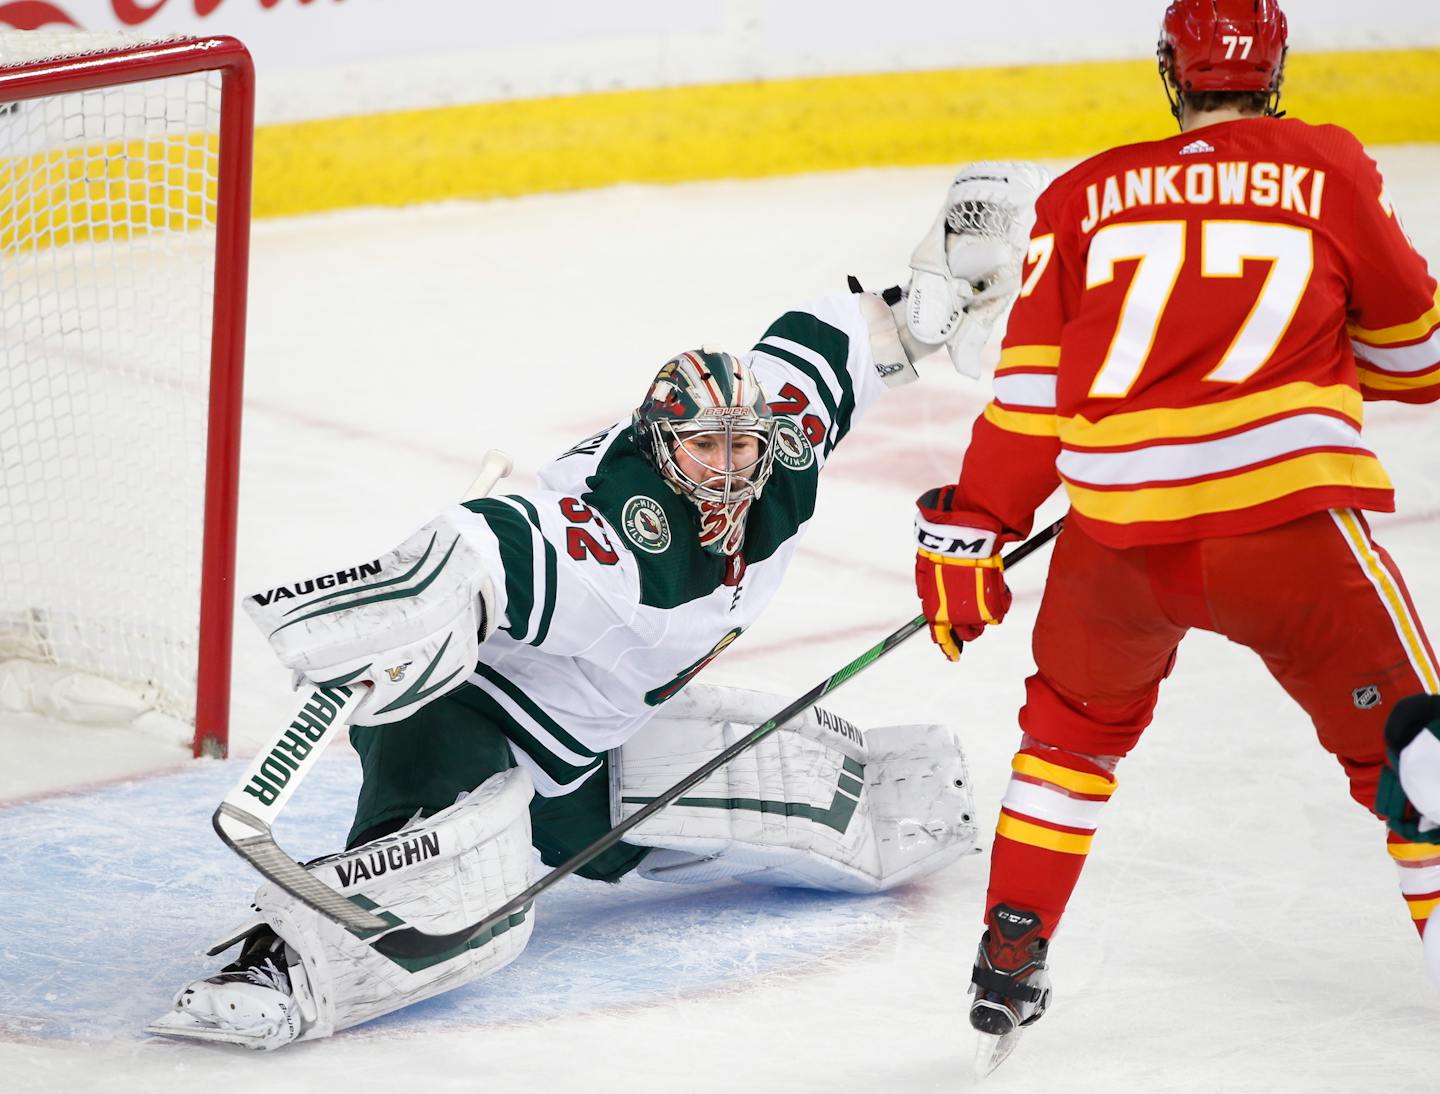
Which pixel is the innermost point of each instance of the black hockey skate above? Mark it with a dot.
(1010, 982)
(249, 1002)
(261, 961)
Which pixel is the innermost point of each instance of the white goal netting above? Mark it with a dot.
(107, 214)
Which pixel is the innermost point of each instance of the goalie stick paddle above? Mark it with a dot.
(244, 818)
(411, 942)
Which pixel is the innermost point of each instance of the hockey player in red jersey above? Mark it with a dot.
(1200, 322)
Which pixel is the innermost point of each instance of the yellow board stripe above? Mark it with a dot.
(779, 127)
(1402, 332)
(1231, 492)
(1140, 426)
(1038, 836)
(108, 191)
(1029, 357)
(1081, 782)
(1028, 422)
(1394, 603)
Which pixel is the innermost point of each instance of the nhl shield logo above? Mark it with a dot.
(645, 525)
(1366, 698)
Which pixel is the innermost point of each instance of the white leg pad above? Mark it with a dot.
(438, 874)
(818, 804)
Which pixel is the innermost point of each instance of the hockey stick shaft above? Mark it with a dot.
(410, 942)
(245, 816)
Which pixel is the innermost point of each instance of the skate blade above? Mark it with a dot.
(992, 1049)
(186, 1027)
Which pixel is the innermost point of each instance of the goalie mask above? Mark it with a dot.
(705, 426)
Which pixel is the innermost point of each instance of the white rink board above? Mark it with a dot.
(1238, 927)
(329, 58)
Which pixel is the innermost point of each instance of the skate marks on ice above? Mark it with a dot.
(112, 899)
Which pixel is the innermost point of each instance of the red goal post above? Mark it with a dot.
(125, 171)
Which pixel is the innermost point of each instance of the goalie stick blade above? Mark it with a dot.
(250, 838)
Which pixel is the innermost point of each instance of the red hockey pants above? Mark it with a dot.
(1317, 599)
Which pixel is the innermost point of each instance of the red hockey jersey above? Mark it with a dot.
(1200, 320)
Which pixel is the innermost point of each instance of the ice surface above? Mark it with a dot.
(1237, 929)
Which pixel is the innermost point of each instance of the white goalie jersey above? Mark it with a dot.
(608, 605)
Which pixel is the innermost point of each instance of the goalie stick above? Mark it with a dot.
(411, 942)
(244, 818)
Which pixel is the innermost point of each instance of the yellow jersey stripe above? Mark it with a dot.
(1030, 423)
(1029, 357)
(1165, 503)
(1140, 426)
(1401, 332)
(1389, 381)
(1081, 782)
(1036, 835)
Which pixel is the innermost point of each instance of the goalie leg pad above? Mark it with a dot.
(438, 874)
(817, 804)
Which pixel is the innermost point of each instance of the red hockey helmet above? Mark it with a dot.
(1223, 45)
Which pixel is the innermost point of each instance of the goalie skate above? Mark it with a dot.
(249, 1002)
(1010, 982)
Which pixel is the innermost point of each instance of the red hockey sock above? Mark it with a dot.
(1419, 865)
(1047, 820)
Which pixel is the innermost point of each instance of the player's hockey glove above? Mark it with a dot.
(1409, 793)
(958, 573)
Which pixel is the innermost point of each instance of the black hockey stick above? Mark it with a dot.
(411, 942)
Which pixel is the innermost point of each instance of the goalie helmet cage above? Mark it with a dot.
(124, 240)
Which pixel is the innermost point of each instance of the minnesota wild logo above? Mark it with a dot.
(792, 448)
(645, 524)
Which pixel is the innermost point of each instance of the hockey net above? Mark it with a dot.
(124, 223)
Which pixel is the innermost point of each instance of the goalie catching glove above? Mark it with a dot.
(959, 575)
(965, 272)
(409, 624)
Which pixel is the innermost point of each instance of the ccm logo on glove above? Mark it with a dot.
(959, 575)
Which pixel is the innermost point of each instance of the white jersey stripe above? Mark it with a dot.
(537, 564)
(534, 728)
(1028, 389)
(546, 786)
(1416, 358)
(1169, 462)
(812, 357)
(1388, 589)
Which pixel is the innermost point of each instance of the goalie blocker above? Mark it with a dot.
(818, 804)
